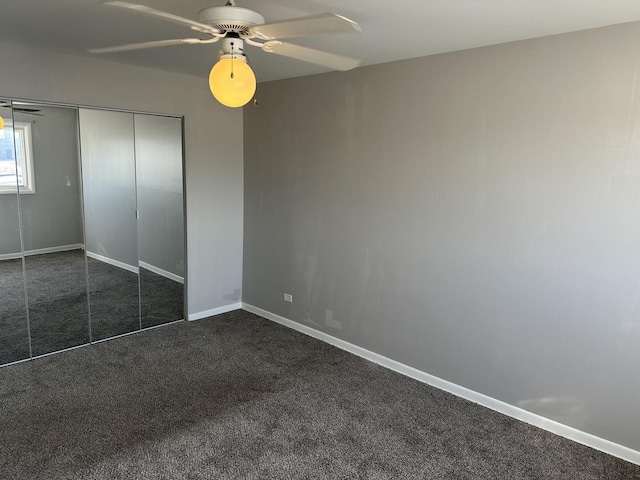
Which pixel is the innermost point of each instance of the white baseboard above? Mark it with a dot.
(161, 272)
(42, 251)
(215, 311)
(560, 429)
(111, 261)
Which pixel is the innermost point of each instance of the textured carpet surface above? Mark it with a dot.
(58, 307)
(14, 341)
(236, 396)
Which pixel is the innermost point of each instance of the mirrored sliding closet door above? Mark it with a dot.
(14, 334)
(52, 232)
(132, 176)
(92, 238)
(160, 225)
(109, 180)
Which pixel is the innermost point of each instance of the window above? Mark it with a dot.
(18, 147)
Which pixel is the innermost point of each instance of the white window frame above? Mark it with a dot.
(23, 129)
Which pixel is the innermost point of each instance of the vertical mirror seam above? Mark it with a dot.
(84, 228)
(21, 238)
(137, 216)
(22, 250)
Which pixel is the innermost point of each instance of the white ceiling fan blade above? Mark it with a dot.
(305, 26)
(330, 60)
(154, 44)
(200, 27)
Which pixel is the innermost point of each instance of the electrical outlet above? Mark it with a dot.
(288, 297)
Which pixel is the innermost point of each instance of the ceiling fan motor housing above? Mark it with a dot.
(230, 18)
(232, 47)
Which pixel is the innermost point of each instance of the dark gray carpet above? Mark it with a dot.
(57, 292)
(161, 299)
(114, 300)
(14, 342)
(58, 311)
(236, 396)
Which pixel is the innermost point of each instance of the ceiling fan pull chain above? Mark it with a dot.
(232, 59)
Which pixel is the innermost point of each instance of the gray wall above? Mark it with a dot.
(159, 192)
(475, 215)
(52, 216)
(109, 184)
(213, 149)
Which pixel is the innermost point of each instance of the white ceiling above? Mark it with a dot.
(392, 29)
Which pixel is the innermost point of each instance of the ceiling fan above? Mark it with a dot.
(233, 83)
(27, 110)
(8, 105)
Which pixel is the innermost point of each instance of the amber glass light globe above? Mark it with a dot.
(232, 90)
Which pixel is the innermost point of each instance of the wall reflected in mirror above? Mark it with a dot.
(160, 226)
(109, 180)
(14, 332)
